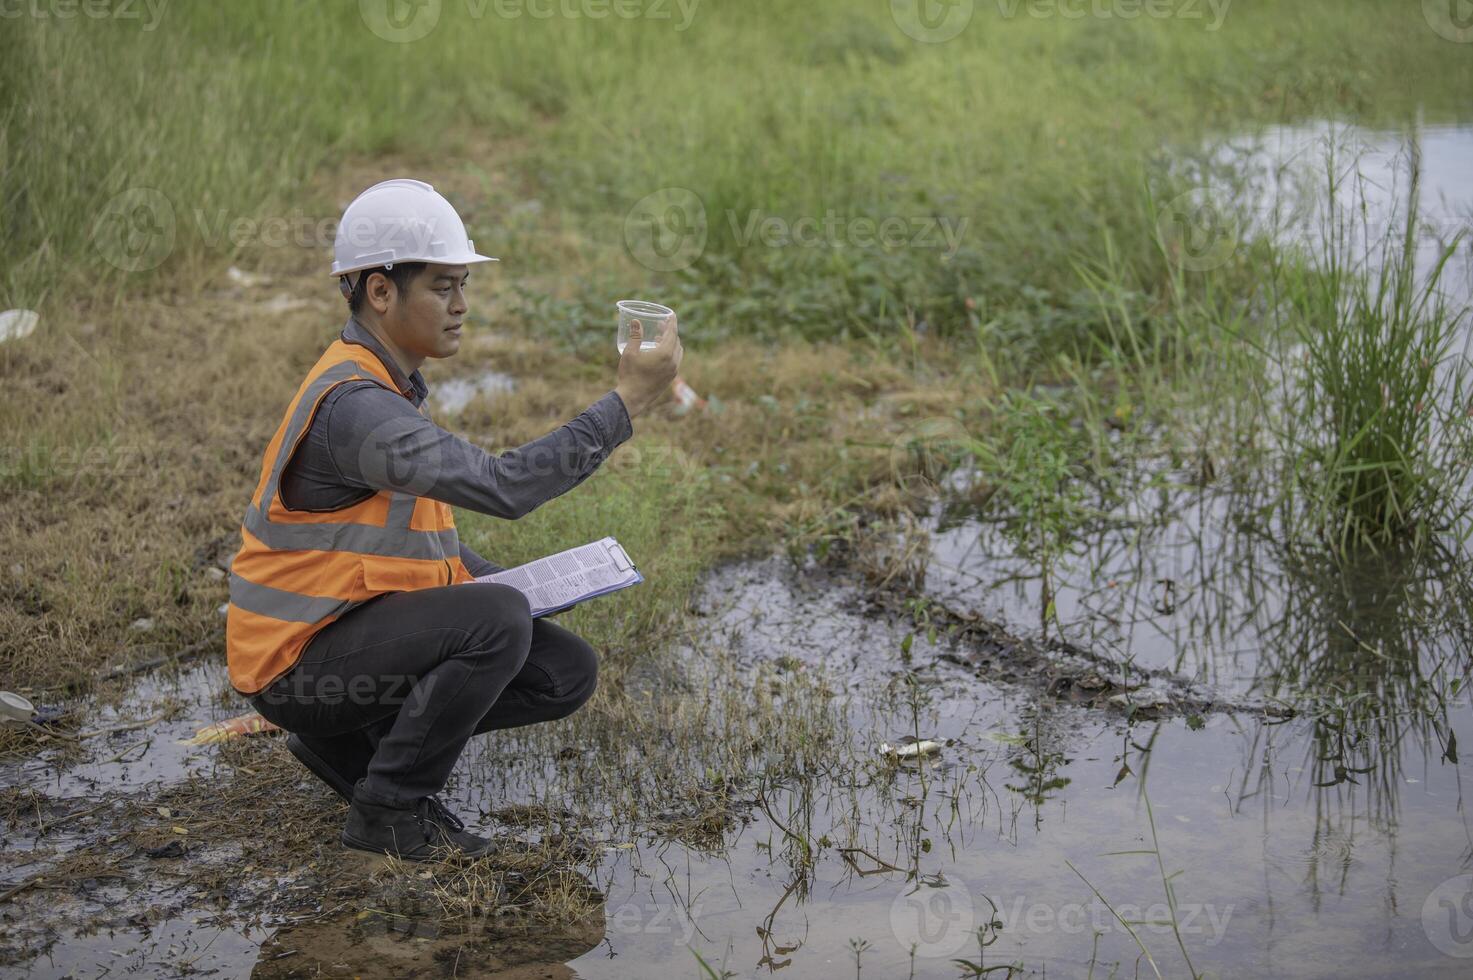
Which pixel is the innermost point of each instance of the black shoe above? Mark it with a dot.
(412, 834)
(452, 828)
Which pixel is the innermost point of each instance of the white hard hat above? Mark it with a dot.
(401, 220)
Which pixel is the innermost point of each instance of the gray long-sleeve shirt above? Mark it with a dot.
(365, 438)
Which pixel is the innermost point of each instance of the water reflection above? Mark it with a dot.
(1376, 649)
(1278, 177)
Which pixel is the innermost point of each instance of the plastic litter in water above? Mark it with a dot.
(15, 324)
(686, 399)
(251, 724)
(242, 278)
(911, 748)
(14, 709)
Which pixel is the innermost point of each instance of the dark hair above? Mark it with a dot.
(401, 275)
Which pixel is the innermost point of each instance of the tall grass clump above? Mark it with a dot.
(1374, 380)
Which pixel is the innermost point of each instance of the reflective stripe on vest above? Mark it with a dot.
(298, 571)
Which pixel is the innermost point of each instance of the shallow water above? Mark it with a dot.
(1281, 176)
(450, 396)
(1278, 877)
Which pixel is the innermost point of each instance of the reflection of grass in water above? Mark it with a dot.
(1376, 651)
(1375, 425)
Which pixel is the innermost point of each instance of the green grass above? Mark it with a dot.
(1376, 389)
(1050, 138)
(1035, 132)
(661, 513)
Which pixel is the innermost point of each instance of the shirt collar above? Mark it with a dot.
(413, 387)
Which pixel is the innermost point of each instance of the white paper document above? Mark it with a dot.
(567, 578)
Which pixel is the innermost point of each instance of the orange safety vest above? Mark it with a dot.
(297, 571)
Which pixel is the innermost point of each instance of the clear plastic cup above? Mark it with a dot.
(652, 318)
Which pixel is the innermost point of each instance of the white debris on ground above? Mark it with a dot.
(15, 324)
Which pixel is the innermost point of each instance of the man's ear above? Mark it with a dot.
(380, 292)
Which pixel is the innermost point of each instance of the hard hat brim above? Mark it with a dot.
(474, 258)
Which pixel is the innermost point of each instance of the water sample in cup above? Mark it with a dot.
(652, 319)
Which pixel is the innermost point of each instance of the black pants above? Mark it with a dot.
(394, 689)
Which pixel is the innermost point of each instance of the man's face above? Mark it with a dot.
(425, 319)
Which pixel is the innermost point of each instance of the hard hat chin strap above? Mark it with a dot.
(346, 284)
